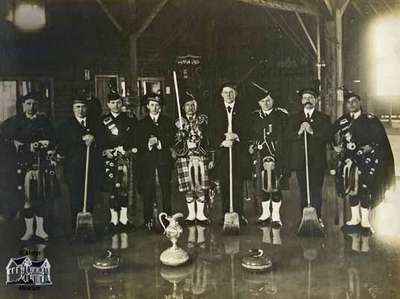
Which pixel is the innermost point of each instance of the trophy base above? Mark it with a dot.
(174, 257)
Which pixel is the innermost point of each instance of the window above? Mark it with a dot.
(386, 46)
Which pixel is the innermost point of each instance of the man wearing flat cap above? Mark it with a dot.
(191, 146)
(267, 145)
(317, 126)
(74, 136)
(365, 169)
(229, 129)
(30, 135)
(155, 142)
(117, 142)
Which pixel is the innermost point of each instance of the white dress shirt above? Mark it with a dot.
(309, 112)
(229, 114)
(82, 121)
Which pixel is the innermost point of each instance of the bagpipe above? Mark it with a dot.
(266, 173)
(356, 165)
(36, 170)
(119, 169)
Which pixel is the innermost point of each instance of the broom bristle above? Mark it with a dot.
(231, 223)
(84, 225)
(309, 225)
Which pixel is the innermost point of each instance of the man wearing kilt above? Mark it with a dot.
(191, 148)
(31, 136)
(365, 167)
(267, 143)
(117, 141)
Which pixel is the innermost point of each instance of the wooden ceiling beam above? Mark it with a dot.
(281, 5)
(357, 7)
(110, 16)
(146, 23)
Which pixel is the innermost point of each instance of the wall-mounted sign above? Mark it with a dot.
(188, 60)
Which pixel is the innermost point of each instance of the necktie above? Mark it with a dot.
(229, 108)
(352, 115)
(308, 116)
(83, 123)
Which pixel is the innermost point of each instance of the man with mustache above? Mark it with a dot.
(318, 128)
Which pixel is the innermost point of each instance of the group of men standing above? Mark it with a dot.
(199, 146)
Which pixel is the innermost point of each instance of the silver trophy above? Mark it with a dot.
(174, 255)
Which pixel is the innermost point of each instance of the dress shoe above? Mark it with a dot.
(110, 228)
(127, 227)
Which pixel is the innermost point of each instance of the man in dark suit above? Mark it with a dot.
(318, 128)
(117, 141)
(155, 141)
(229, 122)
(74, 135)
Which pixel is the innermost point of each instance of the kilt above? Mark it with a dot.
(183, 173)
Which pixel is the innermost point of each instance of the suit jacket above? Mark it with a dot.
(164, 131)
(240, 126)
(73, 148)
(117, 131)
(321, 125)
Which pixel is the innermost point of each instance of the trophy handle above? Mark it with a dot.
(160, 219)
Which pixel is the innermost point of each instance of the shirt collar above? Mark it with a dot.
(355, 115)
(268, 112)
(115, 115)
(155, 117)
(309, 111)
(229, 105)
(79, 119)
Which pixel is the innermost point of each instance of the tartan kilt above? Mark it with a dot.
(183, 175)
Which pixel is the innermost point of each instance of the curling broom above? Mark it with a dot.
(309, 225)
(231, 219)
(84, 219)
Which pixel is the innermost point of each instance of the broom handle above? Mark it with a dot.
(178, 103)
(86, 178)
(230, 181)
(307, 170)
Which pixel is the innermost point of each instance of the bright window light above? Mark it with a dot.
(30, 15)
(386, 43)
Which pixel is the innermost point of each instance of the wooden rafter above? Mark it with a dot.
(356, 6)
(110, 15)
(149, 19)
(372, 6)
(281, 5)
(306, 32)
(329, 6)
(387, 5)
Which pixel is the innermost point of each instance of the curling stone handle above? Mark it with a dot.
(160, 218)
(257, 252)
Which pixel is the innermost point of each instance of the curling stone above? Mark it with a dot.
(108, 261)
(256, 261)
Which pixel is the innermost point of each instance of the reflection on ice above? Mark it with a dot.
(385, 219)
